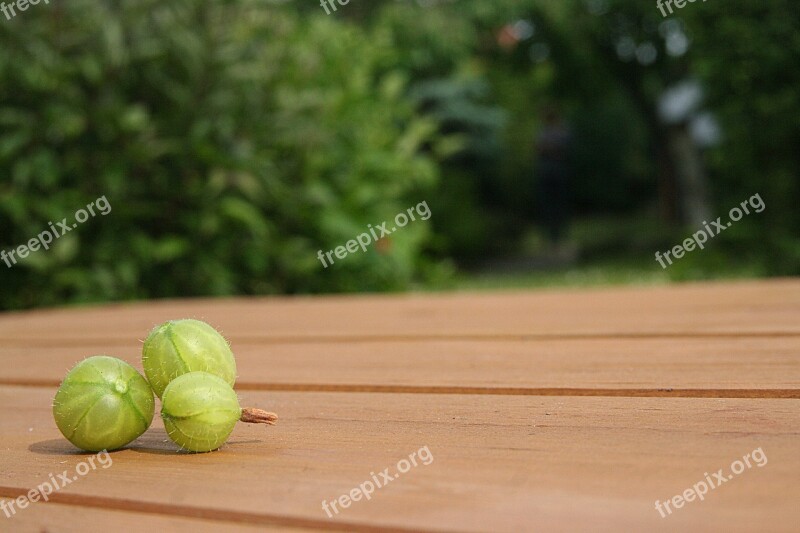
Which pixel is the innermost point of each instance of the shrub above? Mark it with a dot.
(232, 141)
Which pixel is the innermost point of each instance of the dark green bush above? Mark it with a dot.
(232, 142)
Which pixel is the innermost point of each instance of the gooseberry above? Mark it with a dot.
(200, 410)
(180, 346)
(103, 404)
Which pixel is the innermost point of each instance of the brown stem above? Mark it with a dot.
(258, 416)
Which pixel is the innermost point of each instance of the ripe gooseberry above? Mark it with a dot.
(180, 346)
(103, 404)
(200, 410)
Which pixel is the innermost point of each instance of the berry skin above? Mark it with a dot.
(180, 346)
(200, 410)
(103, 404)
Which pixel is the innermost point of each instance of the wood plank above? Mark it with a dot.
(692, 309)
(78, 518)
(500, 463)
(718, 366)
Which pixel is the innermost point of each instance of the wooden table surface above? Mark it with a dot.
(540, 411)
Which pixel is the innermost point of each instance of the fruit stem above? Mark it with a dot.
(252, 415)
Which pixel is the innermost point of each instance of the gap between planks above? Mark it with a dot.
(479, 337)
(217, 515)
(771, 394)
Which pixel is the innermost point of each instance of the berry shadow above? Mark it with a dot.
(56, 447)
(154, 442)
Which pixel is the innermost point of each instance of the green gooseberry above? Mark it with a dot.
(180, 346)
(103, 404)
(200, 410)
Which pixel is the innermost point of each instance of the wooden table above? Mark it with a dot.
(542, 411)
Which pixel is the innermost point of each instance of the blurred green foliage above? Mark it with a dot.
(235, 139)
(753, 83)
(232, 142)
(573, 52)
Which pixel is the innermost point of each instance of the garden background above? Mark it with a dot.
(235, 139)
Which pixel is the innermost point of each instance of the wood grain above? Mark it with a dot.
(77, 518)
(500, 463)
(543, 411)
(679, 366)
(730, 309)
